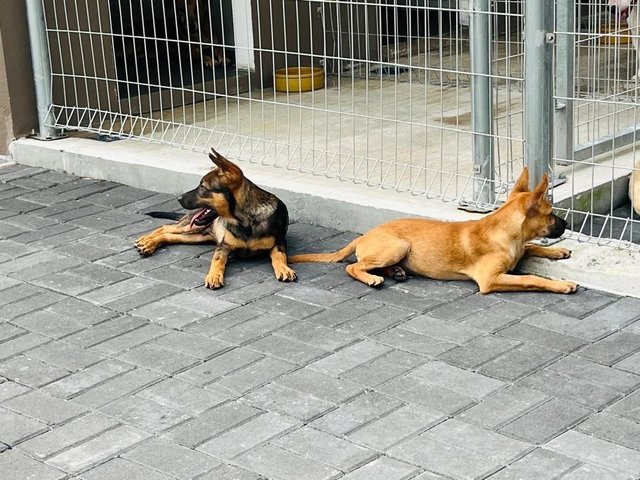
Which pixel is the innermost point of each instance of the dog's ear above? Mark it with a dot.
(538, 194)
(226, 166)
(522, 184)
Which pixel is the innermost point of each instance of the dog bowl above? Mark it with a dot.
(299, 79)
(613, 36)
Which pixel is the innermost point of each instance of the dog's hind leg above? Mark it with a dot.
(379, 252)
(282, 271)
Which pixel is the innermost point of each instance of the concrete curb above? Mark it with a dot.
(310, 199)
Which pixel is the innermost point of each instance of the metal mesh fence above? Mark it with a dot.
(369, 91)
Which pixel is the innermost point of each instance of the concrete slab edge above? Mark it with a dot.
(311, 199)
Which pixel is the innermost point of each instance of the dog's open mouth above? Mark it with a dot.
(204, 217)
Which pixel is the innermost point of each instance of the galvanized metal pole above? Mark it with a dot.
(538, 87)
(41, 68)
(563, 135)
(481, 101)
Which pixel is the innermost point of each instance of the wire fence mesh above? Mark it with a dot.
(383, 94)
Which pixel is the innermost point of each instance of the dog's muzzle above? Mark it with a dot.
(557, 229)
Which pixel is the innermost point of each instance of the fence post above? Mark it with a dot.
(481, 101)
(41, 69)
(538, 87)
(563, 137)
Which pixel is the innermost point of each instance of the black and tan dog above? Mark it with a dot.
(235, 214)
(483, 250)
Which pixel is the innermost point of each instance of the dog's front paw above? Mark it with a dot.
(286, 274)
(214, 280)
(207, 61)
(559, 253)
(567, 287)
(145, 245)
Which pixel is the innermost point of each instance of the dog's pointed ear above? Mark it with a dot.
(540, 192)
(225, 164)
(522, 184)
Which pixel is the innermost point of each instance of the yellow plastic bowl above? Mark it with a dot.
(299, 79)
(611, 36)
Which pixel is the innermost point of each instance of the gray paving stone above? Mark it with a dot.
(478, 351)
(45, 408)
(217, 367)
(541, 337)
(182, 396)
(244, 437)
(413, 342)
(255, 375)
(19, 292)
(251, 292)
(518, 362)
(117, 387)
(170, 458)
(25, 468)
(612, 378)
(144, 414)
(612, 428)
(63, 238)
(317, 335)
(49, 324)
(97, 450)
(85, 251)
(538, 465)
(442, 329)
(99, 274)
(30, 304)
(498, 316)
(611, 349)
(412, 389)
(33, 373)
(253, 328)
(350, 357)
(545, 422)
(16, 428)
(404, 299)
(285, 306)
(110, 293)
(325, 448)
(343, 312)
(375, 321)
(312, 295)
(190, 344)
(119, 468)
(287, 349)
(65, 355)
(320, 386)
(73, 384)
(467, 383)
(591, 472)
(460, 450)
(176, 276)
(39, 238)
(360, 411)
(384, 368)
(210, 326)
(230, 472)
(582, 303)
(131, 301)
(583, 393)
(630, 364)
(8, 331)
(395, 427)
(596, 451)
(66, 436)
(130, 339)
(383, 468)
(502, 407)
(277, 398)
(21, 344)
(161, 360)
(464, 307)
(84, 312)
(275, 462)
(105, 331)
(212, 423)
(10, 389)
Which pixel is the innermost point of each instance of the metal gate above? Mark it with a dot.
(445, 99)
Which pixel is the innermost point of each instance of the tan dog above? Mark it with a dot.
(482, 250)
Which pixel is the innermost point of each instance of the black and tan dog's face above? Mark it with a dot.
(215, 193)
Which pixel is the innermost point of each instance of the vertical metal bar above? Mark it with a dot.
(538, 87)
(563, 135)
(481, 101)
(41, 68)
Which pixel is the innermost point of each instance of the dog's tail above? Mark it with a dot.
(334, 257)
(166, 215)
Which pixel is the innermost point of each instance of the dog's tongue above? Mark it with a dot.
(202, 212)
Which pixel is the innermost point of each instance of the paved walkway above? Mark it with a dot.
(118, 367)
